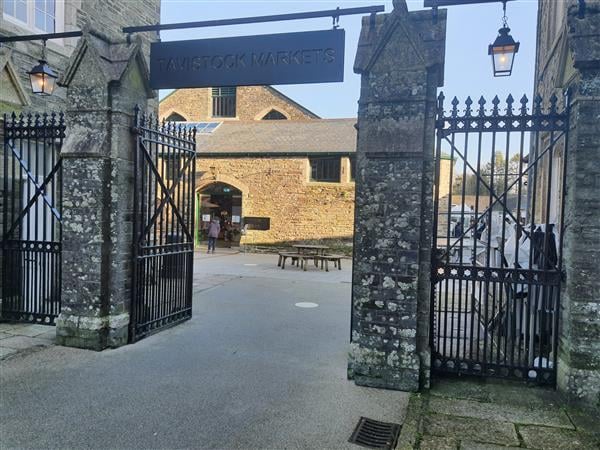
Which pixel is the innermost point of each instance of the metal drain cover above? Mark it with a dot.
(374, 434)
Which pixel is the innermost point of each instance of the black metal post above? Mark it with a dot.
(257, 19)
(40, 37)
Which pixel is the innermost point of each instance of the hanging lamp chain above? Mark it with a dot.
(504, 18)
(44, 49)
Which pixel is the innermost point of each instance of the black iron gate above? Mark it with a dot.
(498, 231)
(31, 217)
(165, 165)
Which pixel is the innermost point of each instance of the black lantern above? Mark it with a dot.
(503, 50)
(42, 77)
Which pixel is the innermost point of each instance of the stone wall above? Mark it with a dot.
(2, 206)
(568, 57)
(400, 58)
(279, 188)
(97, 184)
(253, 102)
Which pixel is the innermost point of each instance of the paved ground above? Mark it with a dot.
(16, 338)
(250, 370)
(472, 414)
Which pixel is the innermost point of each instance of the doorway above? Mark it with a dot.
(224, 202)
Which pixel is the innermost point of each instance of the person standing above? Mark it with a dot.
(213, 233)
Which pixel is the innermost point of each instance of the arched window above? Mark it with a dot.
(174, 117)
(274, 115)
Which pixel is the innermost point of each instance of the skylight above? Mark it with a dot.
(201, 127)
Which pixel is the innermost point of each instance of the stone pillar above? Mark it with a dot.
(579, 347)
(105, 80)
(400, 58)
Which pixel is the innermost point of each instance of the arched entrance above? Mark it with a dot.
(223, 201)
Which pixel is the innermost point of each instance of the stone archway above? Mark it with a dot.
(222, 201)
(206, 179)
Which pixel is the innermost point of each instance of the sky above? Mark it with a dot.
(468, 69)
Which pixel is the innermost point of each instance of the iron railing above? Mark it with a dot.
(498, 229)
(163, 245)
(31, 231)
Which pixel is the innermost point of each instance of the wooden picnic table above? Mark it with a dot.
(306, 252)
(309, 249)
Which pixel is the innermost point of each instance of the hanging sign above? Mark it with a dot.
(290, 58)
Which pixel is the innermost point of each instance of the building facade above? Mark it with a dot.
(268, 164)
(568, 66)
(19, 17)
(230, 103)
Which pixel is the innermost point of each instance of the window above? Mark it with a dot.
(223, 102)
(17, 9)
(174, 117)
(352, 167)
(36, 14)
(274, 115)
(325, 169)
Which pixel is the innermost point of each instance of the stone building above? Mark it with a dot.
(568, 60)
(298, 175)
(230, 103)
(106, 17)
(262, 157)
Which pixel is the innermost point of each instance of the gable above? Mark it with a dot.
(289, 103)
(252, 103)
(12, 92)
(108, 62)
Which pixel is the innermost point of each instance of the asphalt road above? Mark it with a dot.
(250, 370)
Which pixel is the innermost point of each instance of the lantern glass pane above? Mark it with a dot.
(37, 82)
(503, 59)
(49, 84)
(42, 84)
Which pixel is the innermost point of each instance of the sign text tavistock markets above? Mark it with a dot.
(291, 58)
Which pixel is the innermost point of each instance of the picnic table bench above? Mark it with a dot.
(336, 259)
(283, 256)
(306, 253)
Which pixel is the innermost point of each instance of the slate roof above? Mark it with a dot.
(280, 137)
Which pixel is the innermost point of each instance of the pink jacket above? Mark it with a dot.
(214, 229)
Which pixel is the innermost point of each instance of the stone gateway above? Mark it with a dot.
(375, 177)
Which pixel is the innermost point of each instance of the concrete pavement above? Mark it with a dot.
(24, 337)
(250, 370)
